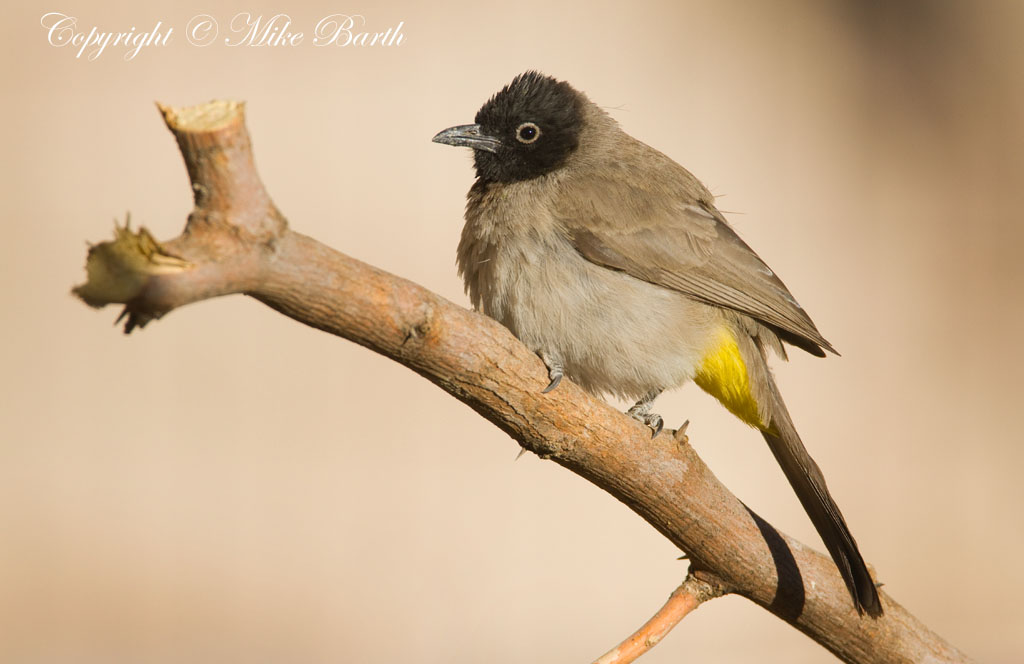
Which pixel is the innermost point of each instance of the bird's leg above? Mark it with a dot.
(554, 365)
(641, 412)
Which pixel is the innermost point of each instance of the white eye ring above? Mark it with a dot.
(531, 131)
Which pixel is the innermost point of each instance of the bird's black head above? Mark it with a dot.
(526, 130)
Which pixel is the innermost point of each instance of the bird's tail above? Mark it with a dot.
(736, 373)
(809, 484)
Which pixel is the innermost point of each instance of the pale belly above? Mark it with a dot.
(612, 333)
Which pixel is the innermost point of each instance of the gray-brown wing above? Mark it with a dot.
(685, 244)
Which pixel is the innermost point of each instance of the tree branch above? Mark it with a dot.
(236, 241)
(690, 594)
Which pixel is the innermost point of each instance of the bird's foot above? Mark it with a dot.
(555, 371)
(653, 420)
(641, 412)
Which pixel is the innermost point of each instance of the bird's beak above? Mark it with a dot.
(468, 136)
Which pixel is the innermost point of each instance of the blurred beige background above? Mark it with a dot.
(229, 486)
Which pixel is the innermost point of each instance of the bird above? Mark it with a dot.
(611, 262)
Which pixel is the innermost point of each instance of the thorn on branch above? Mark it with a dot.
(421, 327)
(680, 433)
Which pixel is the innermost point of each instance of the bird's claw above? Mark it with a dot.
(555, 371)
(641, 413)
(654, 421)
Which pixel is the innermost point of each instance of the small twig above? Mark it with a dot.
(690, 594)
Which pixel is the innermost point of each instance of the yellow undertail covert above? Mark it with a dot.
(723, 375)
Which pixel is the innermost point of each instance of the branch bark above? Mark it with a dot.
(236, 241)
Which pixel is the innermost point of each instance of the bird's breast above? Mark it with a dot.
(613, 333)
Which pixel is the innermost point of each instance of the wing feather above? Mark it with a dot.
(685, 244)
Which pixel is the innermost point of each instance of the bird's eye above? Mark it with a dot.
(527, 133)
